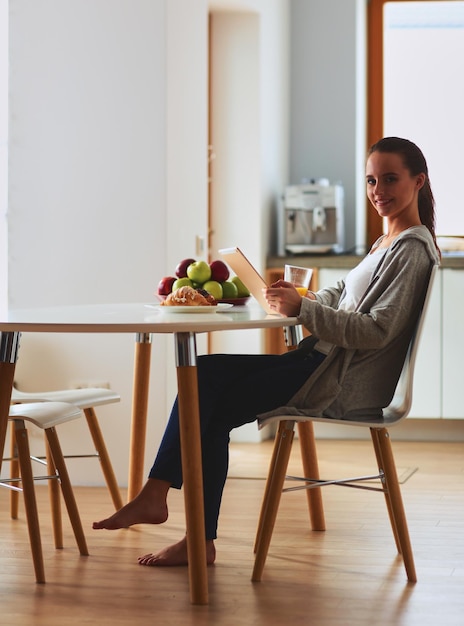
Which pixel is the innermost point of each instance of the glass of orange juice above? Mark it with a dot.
(300, 277)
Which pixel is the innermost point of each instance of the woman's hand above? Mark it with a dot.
(283, 298)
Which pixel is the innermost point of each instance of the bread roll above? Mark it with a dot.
(188, 296)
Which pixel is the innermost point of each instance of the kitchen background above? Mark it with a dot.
(111, 110)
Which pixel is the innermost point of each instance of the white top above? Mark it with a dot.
(358, 280)
(356, 283)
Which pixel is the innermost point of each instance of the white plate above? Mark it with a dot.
(190, 309)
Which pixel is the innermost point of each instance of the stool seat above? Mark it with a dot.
(45, 414)
(83, 398)
(86, 398)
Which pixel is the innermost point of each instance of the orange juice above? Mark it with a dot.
(302, 291)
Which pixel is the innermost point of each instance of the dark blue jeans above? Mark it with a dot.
(233, 390)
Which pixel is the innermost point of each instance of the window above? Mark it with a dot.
(424, 93)
(415, 90)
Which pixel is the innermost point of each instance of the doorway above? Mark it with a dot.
(234, 137)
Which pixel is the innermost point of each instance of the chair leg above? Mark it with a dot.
(311, 470)
(273, 492)
(55, 502)
(30, 502)
(396, 502)
(270, 474)
(105, 461)
(66, 489)
(14, 472)
(378, 454)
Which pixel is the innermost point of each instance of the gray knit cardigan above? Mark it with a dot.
(359, 375)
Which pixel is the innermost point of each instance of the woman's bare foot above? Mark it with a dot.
(149, 507)
(176, 555)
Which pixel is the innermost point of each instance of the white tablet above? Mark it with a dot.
(248, 274)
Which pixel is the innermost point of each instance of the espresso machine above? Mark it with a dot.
(312, 219)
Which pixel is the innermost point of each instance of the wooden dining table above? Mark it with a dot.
(144, 320)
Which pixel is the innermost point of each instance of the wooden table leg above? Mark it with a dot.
(139, 413)
(9, 344)
(190, 438)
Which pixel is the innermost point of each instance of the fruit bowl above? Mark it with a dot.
(213, 277)
(235, 301)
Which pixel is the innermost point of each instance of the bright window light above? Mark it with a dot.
(424, 95)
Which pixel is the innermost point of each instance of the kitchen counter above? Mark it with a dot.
(453, 260)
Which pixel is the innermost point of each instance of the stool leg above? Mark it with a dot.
(66, 490)
(107, 468)
(54, 496)
(30, 502)
(14, 471)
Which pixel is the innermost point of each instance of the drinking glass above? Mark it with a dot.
(300, 277)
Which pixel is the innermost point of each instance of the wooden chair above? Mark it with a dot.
(44, 415)
(85, 399)
(393, 414)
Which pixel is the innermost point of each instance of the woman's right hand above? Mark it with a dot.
(283, 298)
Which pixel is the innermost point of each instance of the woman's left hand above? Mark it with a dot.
(283, 298)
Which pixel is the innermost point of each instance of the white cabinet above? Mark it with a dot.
(427, 393)
(439, 377)
(453, 344)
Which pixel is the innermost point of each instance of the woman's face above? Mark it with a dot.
(391, 189)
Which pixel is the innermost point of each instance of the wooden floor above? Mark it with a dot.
(348, 575)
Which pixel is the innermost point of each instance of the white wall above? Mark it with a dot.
(104, 162)
(86, 106)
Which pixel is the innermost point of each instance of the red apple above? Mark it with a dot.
(181, 269)
(165, 285)
(219, 271)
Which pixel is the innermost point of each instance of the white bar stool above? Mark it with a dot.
(85, 399)
(45, 415)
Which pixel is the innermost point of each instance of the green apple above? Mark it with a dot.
(242, 290)
(214, 288)
(229, 290)
(182, 282)
(199, 272)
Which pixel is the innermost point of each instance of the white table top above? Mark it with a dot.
(136, 317)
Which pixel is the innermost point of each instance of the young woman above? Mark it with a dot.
(360, 331)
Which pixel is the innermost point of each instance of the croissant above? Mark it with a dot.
(188, 296)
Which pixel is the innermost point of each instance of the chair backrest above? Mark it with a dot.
(401, 403)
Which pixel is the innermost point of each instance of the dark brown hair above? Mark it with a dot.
(415, 162)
